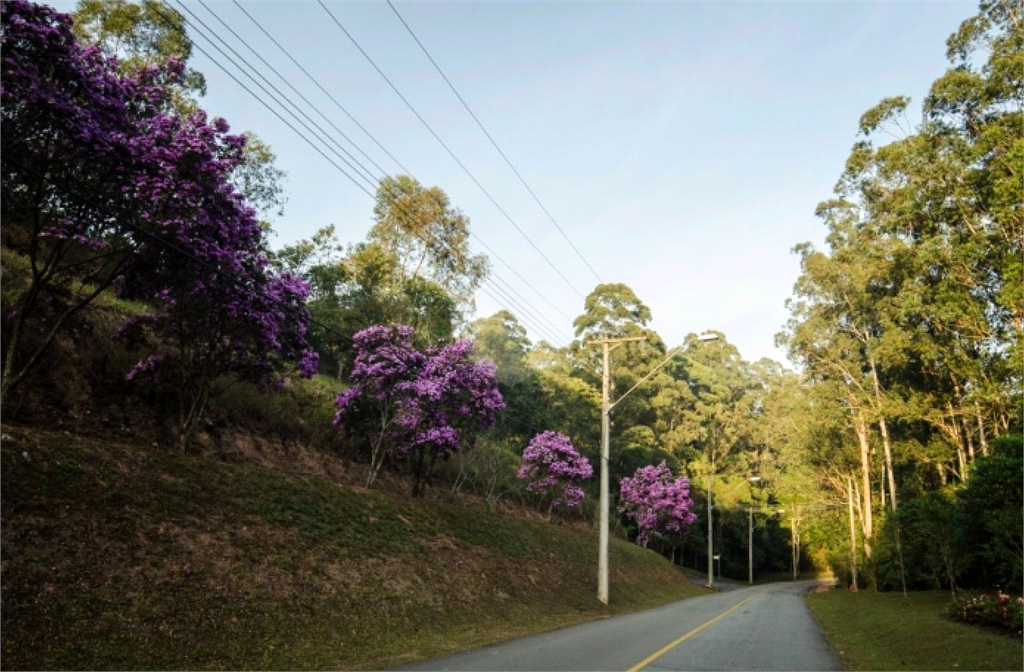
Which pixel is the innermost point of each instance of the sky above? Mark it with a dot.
(681, 146)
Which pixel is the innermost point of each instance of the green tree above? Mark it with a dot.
(989, 517)
(353, 288)
(503, 340)
(141, 35)
(428, 237)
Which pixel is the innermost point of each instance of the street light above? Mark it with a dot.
(606, 408)
(711, 573)
(750, 539)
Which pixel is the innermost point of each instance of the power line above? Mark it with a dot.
(290, 85)
(310, 104)
(233, 62)
(325, 91)
(272, 110)
(365, 174)
(495, 144)
(450, 152)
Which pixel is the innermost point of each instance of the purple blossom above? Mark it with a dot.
(657, 503)
(554, 468)
(98, 160)
(431, 404)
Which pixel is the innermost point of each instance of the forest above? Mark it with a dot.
(890, 454)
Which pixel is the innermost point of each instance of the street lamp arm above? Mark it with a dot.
(703, 337)
(750, 479)
(649, 374)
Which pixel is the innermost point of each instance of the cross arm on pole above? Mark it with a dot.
(624, 339)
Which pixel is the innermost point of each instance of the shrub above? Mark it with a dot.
(554, 469)
(1000, 611)
(657, 503)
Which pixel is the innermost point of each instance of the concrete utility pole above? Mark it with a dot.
(606, 407)
(750, 545)
(750, 539)
(711, 550)
(794, 524)
(853, 533)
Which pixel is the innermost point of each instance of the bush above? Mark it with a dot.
(488, 469)
(930, 559)
(989, 517)
(1000, 611)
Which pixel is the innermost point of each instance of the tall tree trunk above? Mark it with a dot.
(970, 444)
(884, 429)
(881, 489)
(965, 432)
(981, 430)
(861, 429)
(853, 534)
(1004, 423)
(899, 555)
(377, 448)
(960, 457)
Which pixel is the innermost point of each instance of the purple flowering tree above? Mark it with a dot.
(105, 185)
(385, 364)
(656, 502)
(554, 469)
(67, 119)
(424, 406)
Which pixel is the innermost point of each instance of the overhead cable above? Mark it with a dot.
(304, 137)
(495, 144)
(450, 152)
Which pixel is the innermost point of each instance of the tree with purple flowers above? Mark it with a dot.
(105, 185)
(656, 502)
(555, 469)
(424, 406)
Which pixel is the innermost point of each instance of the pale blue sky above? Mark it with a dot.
(683, 146)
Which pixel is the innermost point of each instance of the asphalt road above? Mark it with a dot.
(764, 627)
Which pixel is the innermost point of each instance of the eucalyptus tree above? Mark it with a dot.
(502, 339)
(428, 237)
(949, 192)
(912, 317)
(141, 35)
(614, 311)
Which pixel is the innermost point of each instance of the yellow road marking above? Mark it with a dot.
(658, 654)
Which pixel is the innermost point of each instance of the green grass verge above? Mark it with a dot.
(120, 556)
(885, 631)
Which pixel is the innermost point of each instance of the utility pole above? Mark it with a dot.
(750, 546)
(853, 533)
(602, 557)
(711, 567)
(794, 524)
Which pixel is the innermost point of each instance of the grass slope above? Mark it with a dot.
(885, 631)
(120, 556)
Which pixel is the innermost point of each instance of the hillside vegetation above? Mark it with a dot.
(118, 555)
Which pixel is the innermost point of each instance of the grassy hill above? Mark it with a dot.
(119, 554)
